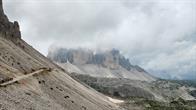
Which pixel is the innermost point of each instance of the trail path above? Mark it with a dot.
(23, 77)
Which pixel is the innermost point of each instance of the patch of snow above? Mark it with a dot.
(116, 101)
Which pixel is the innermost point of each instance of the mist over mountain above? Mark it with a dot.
(108, 63)
(158, 35)
(101, 57)
(84, 56)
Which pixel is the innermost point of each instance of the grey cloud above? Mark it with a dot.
(152, 33)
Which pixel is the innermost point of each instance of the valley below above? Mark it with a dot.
(138, 95)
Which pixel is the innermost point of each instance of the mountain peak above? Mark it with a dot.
(112, 59)
(1, 7)
(8, 29)
(108, 63)
(3, 18)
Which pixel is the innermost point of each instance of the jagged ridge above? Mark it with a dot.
(99, 64)
(8, 29)
(111, 59)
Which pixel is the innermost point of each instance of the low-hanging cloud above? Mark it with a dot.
(159, 35)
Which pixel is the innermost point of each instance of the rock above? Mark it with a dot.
(98, 64)
(110, 59)
(1, 7)
(8, 29)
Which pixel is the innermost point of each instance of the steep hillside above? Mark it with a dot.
(109, 64)
(29, 81)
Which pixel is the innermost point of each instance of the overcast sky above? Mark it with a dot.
(159, 35)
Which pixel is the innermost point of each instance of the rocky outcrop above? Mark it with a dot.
(109, 59)
(1, 7)
(110, 63)
(8, 29)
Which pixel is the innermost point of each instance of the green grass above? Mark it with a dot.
(189, 83)
(178, 104)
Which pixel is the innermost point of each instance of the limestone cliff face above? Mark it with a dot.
(109, 63)
(8, 29)
(110, 59)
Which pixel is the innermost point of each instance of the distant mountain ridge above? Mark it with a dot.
(99, 64)
(89, 57)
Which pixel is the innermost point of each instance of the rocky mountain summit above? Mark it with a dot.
(100, 64)
(109, 59)
(29, 81)
(8, 29)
